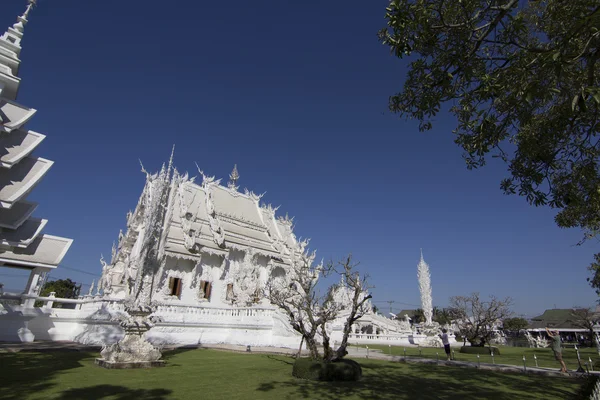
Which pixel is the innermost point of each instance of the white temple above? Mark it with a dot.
(22, 244)
(425, 289)
(199, 252)
(217, 246)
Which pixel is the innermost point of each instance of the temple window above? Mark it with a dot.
(175, 286)
(205, 289)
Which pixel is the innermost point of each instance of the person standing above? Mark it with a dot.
(556, 348)
(446, 342)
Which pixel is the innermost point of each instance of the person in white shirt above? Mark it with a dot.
(444, 337)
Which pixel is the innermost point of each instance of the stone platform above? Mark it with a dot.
(128, 365)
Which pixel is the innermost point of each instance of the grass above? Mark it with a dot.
(197, 374)
(508, 355)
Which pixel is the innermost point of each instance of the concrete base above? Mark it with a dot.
(128, 365)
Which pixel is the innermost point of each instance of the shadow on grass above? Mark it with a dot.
(428, 382)
(99, 392)
(25, 373)
(288, 361)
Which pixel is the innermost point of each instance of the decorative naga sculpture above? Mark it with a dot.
(536, 342)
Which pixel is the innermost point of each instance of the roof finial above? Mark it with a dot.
(233, 178)
(22, 20)
(421, 253)
(171, 161)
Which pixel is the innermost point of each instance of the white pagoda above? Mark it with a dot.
(22, 244)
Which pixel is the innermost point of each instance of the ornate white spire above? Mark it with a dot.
(170, 168)
(22, 20)
(233, 178)
(425, 289)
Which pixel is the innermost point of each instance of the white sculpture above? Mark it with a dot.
(536, 342)
(498, 338)
(425, 289)
(134, 349)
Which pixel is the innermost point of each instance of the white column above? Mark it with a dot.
(33, 285)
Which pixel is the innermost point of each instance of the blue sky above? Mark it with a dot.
(296, 94)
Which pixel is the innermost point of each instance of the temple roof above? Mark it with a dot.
(13, 217)
(17, 181)
(243, 222)
(16, 145)
(45, 251)
(24, 234)
(13, 115)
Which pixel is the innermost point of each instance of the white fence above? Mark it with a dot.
(596, 393)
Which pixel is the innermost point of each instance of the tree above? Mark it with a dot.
(442, 316)
(63, 288)
(298, 298)
(418, 316)
(356, 288)
(585, 318)
(514, 324)
(522, 79)
(308, 312)
(476, 318)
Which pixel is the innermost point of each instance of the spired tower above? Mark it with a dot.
(425, 289)
(22, 245)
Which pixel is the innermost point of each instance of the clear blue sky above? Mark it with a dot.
(296, 94)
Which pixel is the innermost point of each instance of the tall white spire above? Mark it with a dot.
(22, 20)
(425, 289)
(10, 44)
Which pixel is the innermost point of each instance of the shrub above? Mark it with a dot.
(342, 370)
(479, 350)
(307, 368)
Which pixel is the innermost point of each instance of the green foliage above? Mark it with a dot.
(63, 288)
(341, 370)
(418, 317)
(522, 79)
(515, 324)
(442, 316)
(594, 268)
(479, 350)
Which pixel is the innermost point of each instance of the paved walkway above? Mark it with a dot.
(353, 351)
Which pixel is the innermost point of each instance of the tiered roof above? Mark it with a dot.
(21, 242)
(210, 217)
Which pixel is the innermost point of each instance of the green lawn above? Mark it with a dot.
(212, 374)
(508, 355)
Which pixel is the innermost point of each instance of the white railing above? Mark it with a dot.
(376, 337)
(596, 392)
(193, 310)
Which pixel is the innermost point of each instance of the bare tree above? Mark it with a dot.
(311, 314)
(476, 318)
(297, 296)
(585, 318)
(356, 287)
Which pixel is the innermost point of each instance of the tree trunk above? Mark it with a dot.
(327, 353)
(300, 348)
(312, 347)
(341, 351)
